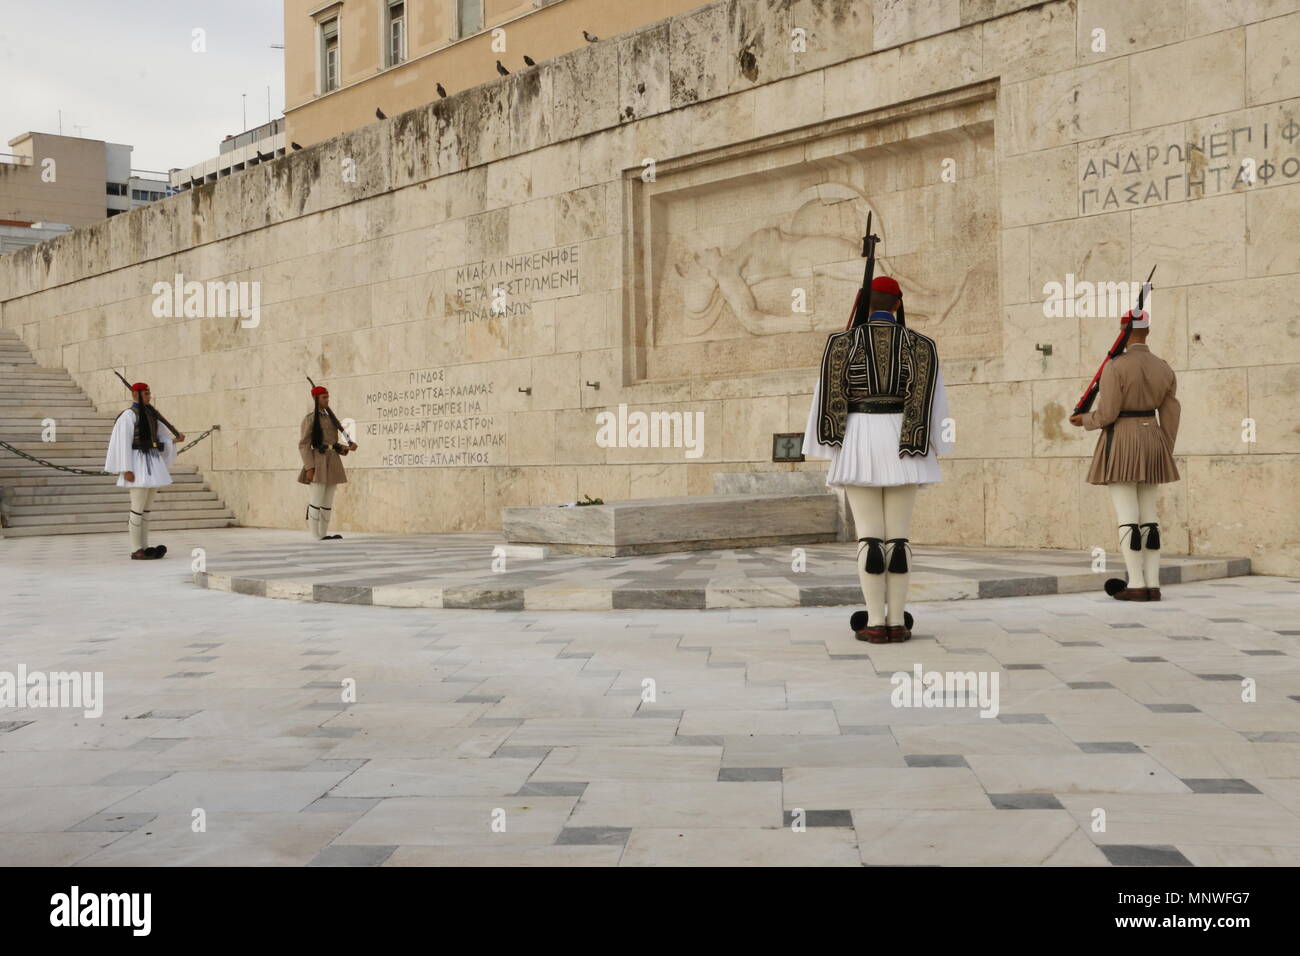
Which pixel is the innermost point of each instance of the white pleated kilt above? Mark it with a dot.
(869, 455)
(150, 471)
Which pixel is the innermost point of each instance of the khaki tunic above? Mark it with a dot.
(328, 464)
(1135, 449)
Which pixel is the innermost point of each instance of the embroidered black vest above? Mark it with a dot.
(883, 362)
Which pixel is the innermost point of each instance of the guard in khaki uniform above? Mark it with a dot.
(1138, 414)
(322, 462)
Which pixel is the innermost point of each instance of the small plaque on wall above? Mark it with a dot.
(787, 447)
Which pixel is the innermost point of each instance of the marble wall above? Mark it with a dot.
(669, 221)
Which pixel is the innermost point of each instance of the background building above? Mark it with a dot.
(342, 60)
(261, 144)
(16, 234)
(72, 181)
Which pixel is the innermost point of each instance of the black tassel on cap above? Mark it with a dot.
(875, 562)
(1153, 536)
(898, 556)
(1135, 537)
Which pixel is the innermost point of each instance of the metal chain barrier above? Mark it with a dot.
(81, 471)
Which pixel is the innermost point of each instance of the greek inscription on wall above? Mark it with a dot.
(496, 288)
(436, 418)
(1252, 149)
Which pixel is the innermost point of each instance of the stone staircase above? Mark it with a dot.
(36, 500)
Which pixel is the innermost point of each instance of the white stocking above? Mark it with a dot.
(148, 504)
(319, 510)
(1127, 514)
(1147, 515)
(135, 518)
(899, 500)
(868, 507)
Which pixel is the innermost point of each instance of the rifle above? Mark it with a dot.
(170, 427)
(339, 447)
(1090, 393)
(862, 304)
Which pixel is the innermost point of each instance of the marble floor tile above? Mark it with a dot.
(637, 804)
(825, 788)
(972, 837)
(734, 847)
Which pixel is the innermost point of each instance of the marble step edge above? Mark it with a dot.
(158, 524)
(697, 598)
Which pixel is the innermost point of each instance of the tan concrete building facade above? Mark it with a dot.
(55, 179)
(670, 220)
(343, 60)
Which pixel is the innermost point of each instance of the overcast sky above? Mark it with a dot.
(123, 71)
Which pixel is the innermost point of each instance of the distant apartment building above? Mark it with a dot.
(345, 59)
(50, 183)
(260, 144)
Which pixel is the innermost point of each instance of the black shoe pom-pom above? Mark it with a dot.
(857, 620)
(1114, 585)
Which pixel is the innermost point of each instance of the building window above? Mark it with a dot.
(396, 33)
(469, 17)
(329, 55)
(115, 189)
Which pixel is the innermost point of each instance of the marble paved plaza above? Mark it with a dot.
(524, 738)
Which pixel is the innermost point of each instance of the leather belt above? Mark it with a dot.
(876, 408)
(1144, 413)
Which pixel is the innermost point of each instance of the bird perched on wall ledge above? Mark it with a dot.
(501, 69)
(442, 94)
(589, 37)
(295, 146)
(380, 113)
(529, 60)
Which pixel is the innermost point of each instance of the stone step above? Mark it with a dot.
(11, 473)
(43, 409)
(74, 459)
(42, 391)
(163, 524)
(64, 446)
(113, 507)
(95, 419)
(32, 435)
(23, 497)
(72, 397)
(656, 525)
(50, 478)
(115, 517)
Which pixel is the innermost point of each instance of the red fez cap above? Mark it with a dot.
(140, 387)
(319, 390)
(885, 284)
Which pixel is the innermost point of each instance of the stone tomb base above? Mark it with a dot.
(654, 525)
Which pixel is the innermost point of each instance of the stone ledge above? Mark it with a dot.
(657, 525)
(715, 593)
